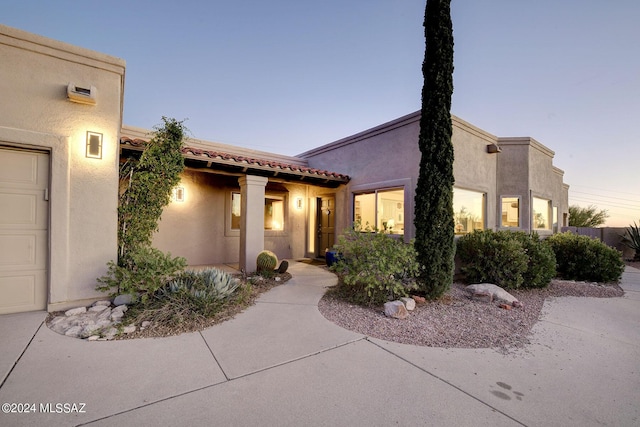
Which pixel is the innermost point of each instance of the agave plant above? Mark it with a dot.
(210, 284)
(632, 239)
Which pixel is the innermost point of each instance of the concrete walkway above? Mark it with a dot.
(280, 363)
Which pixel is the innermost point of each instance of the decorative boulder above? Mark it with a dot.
(395, 309)
(409, 303)
(284, 266)
(492, 292)
(123, 299)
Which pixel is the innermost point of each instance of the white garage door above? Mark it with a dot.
(24, 178)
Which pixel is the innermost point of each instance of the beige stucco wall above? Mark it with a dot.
(525, 169)
(388, 156)
(35, 113)
(199, 228)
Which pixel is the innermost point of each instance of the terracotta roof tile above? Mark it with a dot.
(197, 152)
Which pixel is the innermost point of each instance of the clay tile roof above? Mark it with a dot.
(227, 158)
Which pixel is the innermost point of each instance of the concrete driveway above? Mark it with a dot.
(281, 363)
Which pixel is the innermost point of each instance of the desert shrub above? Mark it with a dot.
(374, 267)
(541, 267)
(146, 270)
(510, 259)
(203, 291)
(584, 258)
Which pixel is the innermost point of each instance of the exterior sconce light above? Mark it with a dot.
(177, 194)
(493, 148)
(94, 145)
(299, 203)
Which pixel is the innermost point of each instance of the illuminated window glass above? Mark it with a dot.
(541, 214)
(273, 212)
(468, 210)
(510, 212)
(381, 210)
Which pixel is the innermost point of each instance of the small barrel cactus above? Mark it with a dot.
(267, 261)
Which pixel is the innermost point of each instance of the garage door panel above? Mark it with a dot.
(22, 293)
(19, 168)
(17, 209)
(22, 251)
(24, 178)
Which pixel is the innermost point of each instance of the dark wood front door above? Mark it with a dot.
(326, 224)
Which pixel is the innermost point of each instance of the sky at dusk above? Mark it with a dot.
(286, 76)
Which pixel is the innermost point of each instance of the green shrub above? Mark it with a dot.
(266, 261)
(509, 259)
(541, 267)
(374, 267)
(146, 271)
(584, 258)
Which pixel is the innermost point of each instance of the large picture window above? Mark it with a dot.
(541, 214)
(273, 212)
(510, 212)
(468, 210)
(382, 210)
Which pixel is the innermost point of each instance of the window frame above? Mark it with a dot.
(376, 192)
(483, 194)
(549, 216)
(519, 199)
(232, 232)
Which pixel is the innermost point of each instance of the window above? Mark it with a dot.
(541, 214)
(555, 219)
(510, 212)
(381, 210)
(273, 212)
(468, 210)
(235, 211)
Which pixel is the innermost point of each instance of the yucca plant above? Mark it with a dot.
(632, 239)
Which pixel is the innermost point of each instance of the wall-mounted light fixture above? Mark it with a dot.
(94, 145)
(177, 194)
(299, 203)
(81, 95)
(493, 149)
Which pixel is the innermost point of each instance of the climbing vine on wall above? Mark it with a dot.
(145, 187)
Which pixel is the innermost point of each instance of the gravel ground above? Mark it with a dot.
(456, 321)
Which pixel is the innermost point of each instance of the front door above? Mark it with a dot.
(24, 178)
(326, 224)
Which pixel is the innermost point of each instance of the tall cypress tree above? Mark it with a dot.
(434, 192)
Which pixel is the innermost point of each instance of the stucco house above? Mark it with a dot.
(62, 139)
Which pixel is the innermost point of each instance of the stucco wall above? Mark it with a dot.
(525, 169)
(388, 156)
(83, 192)
(199, 228)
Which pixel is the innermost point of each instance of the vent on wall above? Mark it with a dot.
(81, 95)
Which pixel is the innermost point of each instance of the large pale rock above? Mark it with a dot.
(409, 303)
(74, 331)
(98, 308)
(74, 311)
(103, 302)
(492, 292)
(395, 309)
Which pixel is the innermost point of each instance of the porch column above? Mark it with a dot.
(251, 220)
